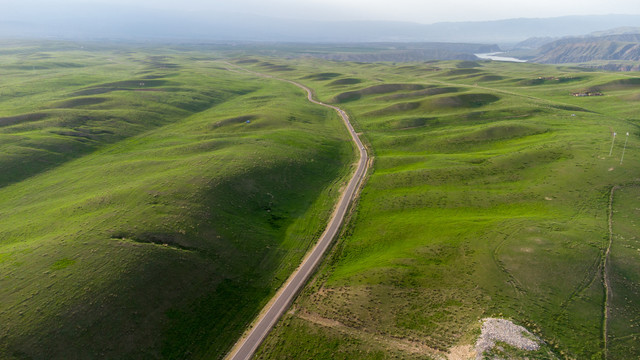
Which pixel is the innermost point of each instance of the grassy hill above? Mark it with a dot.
(151, 201)
(624, 266)
(488, 198)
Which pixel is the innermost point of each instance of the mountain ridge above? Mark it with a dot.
(136, 23)
(624, 47)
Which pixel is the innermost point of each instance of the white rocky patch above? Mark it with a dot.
(494, 330)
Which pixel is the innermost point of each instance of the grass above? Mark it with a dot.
(152, 201)
(505, 351)
(155, 223)
(488, 197)
(624, 317)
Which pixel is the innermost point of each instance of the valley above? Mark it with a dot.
(488, 198)
(155, 223)
(154, 199)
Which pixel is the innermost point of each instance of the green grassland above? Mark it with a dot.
(151, 200)
(624, 266)
(488, 197)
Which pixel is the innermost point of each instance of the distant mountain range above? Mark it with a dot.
(365, 52)
(135, 23)
(613, 49)
(576, 50)
(550, 40)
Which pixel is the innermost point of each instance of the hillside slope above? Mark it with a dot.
(577, 50)
(161, 200)
(488, 198)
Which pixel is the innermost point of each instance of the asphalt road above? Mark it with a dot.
(245, 348)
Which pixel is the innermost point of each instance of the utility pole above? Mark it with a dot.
(612, 141)
(624, 148)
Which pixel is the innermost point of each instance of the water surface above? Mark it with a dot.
(494, 56)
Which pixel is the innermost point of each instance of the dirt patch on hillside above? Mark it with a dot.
(501, 330)
(463, 352)
(412, 347)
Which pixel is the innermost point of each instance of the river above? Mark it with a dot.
(494, 56)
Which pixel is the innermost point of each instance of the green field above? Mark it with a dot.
(624, 266)
(151, 201)
(488, 198)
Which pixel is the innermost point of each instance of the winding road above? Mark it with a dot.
(267, 319)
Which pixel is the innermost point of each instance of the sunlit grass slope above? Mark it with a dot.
(153, 203)
(58, 106)
(624, 267)
(488, 197)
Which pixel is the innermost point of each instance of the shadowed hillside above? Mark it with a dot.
(150, 205)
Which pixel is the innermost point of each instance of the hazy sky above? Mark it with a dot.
(422, 11)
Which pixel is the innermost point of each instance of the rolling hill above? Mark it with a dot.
(156, 198)
(489, 197)
(151, 201)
